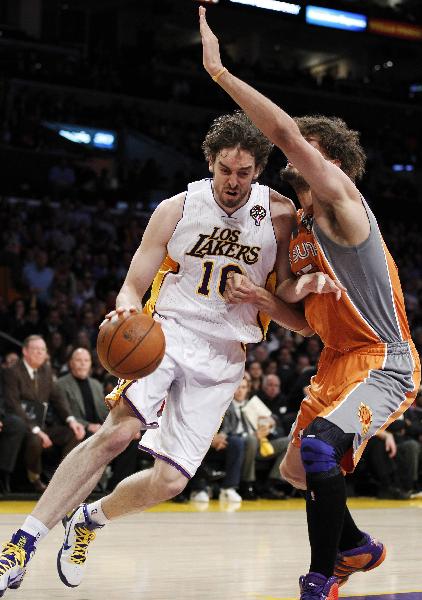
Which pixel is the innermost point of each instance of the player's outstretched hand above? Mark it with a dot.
(240, 289)
(210, 48)
(319, 283)
(120, 311)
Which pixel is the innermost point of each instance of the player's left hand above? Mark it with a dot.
(240, 290)
(319, 283)
(210, 47)
(78, 429)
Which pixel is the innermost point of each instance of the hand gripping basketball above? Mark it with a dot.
(130, 345)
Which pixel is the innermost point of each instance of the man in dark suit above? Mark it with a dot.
(12, 433)
(85, 396)
(31, 393)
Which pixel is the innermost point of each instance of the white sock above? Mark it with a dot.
(95, 513)
(35, 528)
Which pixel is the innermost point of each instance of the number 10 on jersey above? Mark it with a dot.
(207, 278)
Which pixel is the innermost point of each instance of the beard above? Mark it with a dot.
(292, 176)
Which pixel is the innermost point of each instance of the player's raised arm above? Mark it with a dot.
(148, 257)
(324, 176)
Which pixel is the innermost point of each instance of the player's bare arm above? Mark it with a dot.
(337, 203)
(149, 256)
(295, 289)
(241, 289)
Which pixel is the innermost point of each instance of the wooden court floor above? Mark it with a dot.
(221, 552)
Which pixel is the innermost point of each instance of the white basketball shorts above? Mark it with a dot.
(196, 379)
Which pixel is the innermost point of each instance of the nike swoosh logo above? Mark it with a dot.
(66, 547)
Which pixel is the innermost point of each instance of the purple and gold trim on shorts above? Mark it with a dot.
(166, 459)
(119, 392)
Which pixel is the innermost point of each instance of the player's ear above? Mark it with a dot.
(257, 173)
(211, 165)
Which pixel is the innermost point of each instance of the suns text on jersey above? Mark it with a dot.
(224, 242)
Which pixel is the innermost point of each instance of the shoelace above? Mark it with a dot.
(83, 537)
(11, 554)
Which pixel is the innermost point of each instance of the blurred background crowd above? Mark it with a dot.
(104, 106)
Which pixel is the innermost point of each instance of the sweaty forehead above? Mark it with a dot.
(236, 157)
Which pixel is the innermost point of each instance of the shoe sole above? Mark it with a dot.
(60, 572)
(59, 555)
(374, 566)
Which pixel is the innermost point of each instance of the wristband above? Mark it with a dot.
(217, 76)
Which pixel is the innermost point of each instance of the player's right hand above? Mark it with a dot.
(319, 283)
(119, 312)
(210, 48)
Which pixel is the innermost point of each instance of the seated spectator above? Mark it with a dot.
(236, 424)
(413, 420)
(38, 276)
(12, 433)
(85, 396)
(10, 359)
(255, 371)
(381, 457)
(286, 367)
(271, 395)
(32, 395)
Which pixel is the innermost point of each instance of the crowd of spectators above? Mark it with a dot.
(62, 266)
(72, 221)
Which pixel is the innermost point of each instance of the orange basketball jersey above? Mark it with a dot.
(372, 310)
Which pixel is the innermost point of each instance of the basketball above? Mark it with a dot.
(131, 347)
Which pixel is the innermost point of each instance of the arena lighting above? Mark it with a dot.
(285, 7)
(399, 168)
(85, 136)
(337, 19)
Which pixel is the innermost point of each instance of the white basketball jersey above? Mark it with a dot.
(206, 246)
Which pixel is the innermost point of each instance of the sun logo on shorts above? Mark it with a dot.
(258, 214)
(365, 417)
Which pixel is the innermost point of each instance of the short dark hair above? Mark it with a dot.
(236, 130)
(337, 140)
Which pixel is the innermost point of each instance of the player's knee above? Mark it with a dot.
(116, 438)
(292, 476)
(318, 456)
(170, 487)
(322, 447)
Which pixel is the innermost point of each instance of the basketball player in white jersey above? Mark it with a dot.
(195, 240)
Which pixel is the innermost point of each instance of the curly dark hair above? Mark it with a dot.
(338, 141)
(237, 130)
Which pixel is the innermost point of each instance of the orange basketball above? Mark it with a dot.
(131, 347)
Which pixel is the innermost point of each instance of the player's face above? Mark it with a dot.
(233, 173)
(291, 175)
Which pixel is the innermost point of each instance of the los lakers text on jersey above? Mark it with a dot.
(206, 246)
(224, 242)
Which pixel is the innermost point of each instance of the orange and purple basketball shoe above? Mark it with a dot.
(364, 558)
(315, 586)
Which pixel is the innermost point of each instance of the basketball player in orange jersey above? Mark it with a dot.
(369, 370)
(218, 226)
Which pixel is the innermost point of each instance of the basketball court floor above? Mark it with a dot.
(255, 551)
